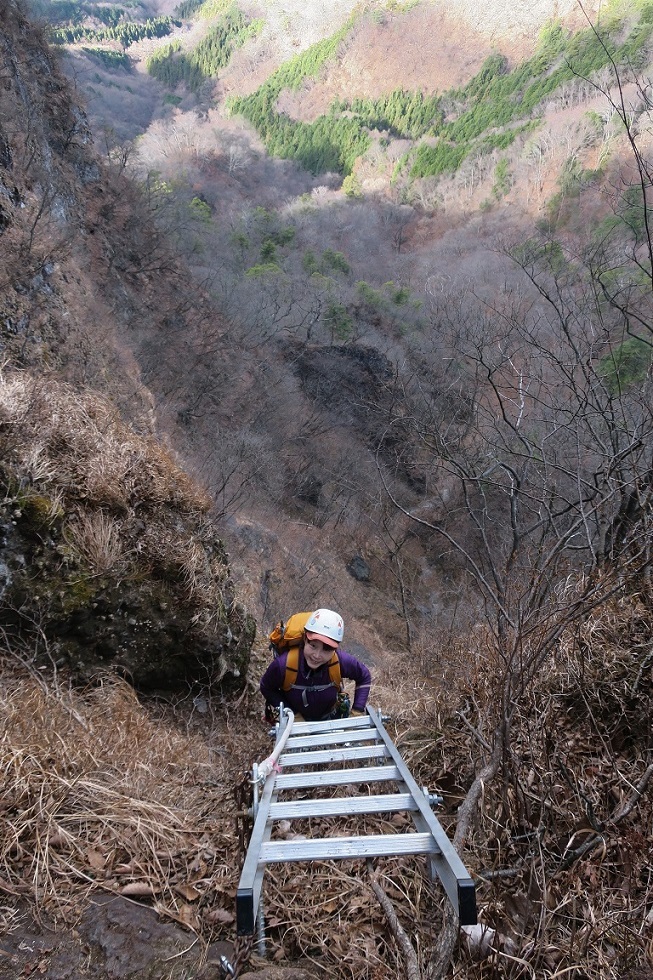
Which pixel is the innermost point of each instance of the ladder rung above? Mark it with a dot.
(337, 777)
(343, 806)
(336, 724)
(331, 738)
(333, 755)
(380, 845)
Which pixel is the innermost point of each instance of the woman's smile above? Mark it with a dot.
(317, 654)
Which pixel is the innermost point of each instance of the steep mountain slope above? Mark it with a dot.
(431, 46)
(290, 259)
(335, 362)
(83, 494)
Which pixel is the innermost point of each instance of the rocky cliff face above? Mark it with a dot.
(107, 557)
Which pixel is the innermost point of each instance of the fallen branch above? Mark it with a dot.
(467, 815)
(396, 928)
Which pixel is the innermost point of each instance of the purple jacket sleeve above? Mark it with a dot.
(271, 685)
(354, 670)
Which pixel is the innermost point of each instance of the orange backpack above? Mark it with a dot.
(288, 638)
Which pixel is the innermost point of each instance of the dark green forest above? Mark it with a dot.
(490, 112)
(172, 65)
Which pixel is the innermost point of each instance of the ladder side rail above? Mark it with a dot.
(439, 868)
(453, 874)
(249, 886)
(421, 825)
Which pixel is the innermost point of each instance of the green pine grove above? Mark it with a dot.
(488, 113)
(126, 33)
(172, 65)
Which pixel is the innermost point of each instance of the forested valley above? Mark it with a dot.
(340, 305)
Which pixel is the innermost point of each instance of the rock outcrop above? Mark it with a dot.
(108, 560)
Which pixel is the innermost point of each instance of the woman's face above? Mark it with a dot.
(316, 653)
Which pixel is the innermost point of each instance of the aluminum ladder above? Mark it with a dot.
(362, 740)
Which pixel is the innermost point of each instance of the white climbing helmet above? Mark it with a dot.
(325, 625)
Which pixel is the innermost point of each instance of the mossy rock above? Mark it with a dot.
(132, 622)
(39, 511)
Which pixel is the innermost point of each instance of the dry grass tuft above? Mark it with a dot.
(60, 437)
(98, 793)
(96, 539)
(187, 560)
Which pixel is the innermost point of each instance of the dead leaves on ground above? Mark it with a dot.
(97, 793)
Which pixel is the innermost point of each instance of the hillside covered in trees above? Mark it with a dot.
(329, 327)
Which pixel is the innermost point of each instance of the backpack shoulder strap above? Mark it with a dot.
(335, 674)
(292, 668)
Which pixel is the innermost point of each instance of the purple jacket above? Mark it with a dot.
(313, 694)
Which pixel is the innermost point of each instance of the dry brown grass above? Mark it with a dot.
(96, 539)
(101, 791)
(122, 501)
(59, 437)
